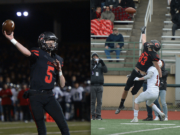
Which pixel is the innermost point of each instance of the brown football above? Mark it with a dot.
(130, 10)
(8, 26)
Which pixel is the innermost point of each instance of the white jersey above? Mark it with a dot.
(67, 96)
(57, 92)
(77, 93)
(14, 95)
(153, 82)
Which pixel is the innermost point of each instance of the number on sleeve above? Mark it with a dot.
(48, 78)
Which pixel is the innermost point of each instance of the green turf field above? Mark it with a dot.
(21, 128)
(125, 127)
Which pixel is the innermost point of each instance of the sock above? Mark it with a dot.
(136, 113)
(122, 103)
(154, 107)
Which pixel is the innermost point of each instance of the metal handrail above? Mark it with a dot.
(147, 17)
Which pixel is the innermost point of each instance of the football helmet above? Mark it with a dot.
(155, 45)
(48, 46)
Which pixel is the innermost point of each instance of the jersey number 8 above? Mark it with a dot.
(143, 55)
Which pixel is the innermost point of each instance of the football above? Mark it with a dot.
(8, 26)
(130, 10)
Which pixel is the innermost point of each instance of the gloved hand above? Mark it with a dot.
(128, 75)
(136, 79)
(143, 29)
(102, 62)
(26, 95)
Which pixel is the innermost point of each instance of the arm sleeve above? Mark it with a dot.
(105, 70)
(154, 56)
(34, 54)
(149, 75)
(112, 17)
(164, 73)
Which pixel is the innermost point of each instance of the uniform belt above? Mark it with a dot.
(39, 92)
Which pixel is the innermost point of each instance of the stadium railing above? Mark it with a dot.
(149, 12)
(168, 54)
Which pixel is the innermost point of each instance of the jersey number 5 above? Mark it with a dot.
(48, 78)
(145, 59)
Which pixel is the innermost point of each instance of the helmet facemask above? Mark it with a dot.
(48, 46)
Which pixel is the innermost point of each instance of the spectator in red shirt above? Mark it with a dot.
(24, 104)
(6, 102)
(96, 14)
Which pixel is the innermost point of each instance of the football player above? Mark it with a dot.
(148, 58)
(151, 94)
(45, 70)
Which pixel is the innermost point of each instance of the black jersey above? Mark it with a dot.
(43, 74)
(146, 59)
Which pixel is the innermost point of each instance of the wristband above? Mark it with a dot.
(60, 73)
(13, 41)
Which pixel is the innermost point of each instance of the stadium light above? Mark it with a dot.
(18, 13)
(25, 13)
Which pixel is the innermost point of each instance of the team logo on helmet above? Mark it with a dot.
(156, 44)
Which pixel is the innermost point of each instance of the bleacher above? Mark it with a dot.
(170, 48)
(125, 28)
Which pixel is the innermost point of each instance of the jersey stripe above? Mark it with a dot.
(35, 51)
(36, 54)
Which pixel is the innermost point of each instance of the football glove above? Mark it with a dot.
(136, 79)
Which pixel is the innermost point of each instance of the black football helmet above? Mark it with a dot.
(45, 37)
(155, 45)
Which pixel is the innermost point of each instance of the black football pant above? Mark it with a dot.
(46, 101)
(130, 82)
(7, 112)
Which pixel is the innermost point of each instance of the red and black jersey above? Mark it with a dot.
(22, 101)
(6, 100)
(146, 59)
(43, 74)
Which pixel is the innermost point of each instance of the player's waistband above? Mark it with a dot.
(33, 92)
(139, 71)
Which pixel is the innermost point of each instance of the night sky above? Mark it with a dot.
(73, 16)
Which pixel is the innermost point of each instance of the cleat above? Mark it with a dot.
(98, 118)
(135, 119)
(93, 117)
(162, 116)
(148, 119)
(157, 118)
(166, 119)
(119, 109)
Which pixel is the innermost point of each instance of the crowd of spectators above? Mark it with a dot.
(15, 72)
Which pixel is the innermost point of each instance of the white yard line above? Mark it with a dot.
(143, 130)
(46, 126)
(79, 131)
(101, 128)
(145, 124)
